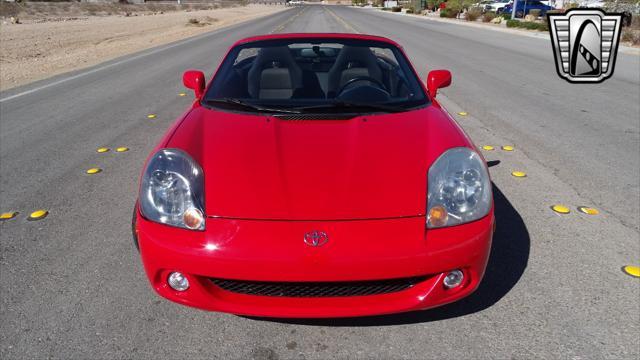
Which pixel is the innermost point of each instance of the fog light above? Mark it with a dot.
(453, 279)
(178, 281)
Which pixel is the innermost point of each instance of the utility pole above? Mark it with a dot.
(513, 10)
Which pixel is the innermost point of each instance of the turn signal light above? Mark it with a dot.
(438, 216)
(193, 218)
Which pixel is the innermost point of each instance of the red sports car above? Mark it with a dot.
(315, 176)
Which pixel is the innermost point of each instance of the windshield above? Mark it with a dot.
(327, 75)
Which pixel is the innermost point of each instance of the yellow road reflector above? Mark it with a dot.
(463, 113)
(507, 148)
(182, 94)
(37, 215)
(487, 147)
(122, 149)
(8, 215)
(588, 210)
(93, 171)
(560, 209)
(151, 116)
(631, 270)
(519, 174)
(103, 149)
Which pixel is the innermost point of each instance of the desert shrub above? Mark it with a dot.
(631, 33)
(535, 12)
(488, 16)
(529, 25)
(396, 9)
(632, 36)
(511, 23)
(473, 14)
(506, 16)
(536, 26)
(635, 22)
(544, 17)
(454, 6)
(448, 13)
(571, 5)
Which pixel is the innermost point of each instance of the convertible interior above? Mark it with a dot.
(315, 73)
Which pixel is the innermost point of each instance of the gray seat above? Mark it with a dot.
(274, 74)
(352, 62)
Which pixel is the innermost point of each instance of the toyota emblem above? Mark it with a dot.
(316, 238)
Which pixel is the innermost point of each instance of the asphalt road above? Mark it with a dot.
(72, 285)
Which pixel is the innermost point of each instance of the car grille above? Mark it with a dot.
(317, 289)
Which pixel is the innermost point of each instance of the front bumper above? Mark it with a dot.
(274, 251)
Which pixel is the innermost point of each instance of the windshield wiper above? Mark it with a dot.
(340, 104)
(246, 105)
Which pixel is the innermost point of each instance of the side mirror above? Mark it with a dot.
(438, 79)
(194, 79)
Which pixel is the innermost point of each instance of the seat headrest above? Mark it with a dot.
(361, 55)
(273, 57)
(279, 54)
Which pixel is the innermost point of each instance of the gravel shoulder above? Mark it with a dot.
(34, 51)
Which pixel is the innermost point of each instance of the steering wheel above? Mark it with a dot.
(358, 79)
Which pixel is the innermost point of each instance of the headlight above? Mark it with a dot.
(459, 189)
(172, 190)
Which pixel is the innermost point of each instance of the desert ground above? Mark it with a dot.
(61, 38)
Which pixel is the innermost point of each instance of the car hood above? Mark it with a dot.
(365, 167)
